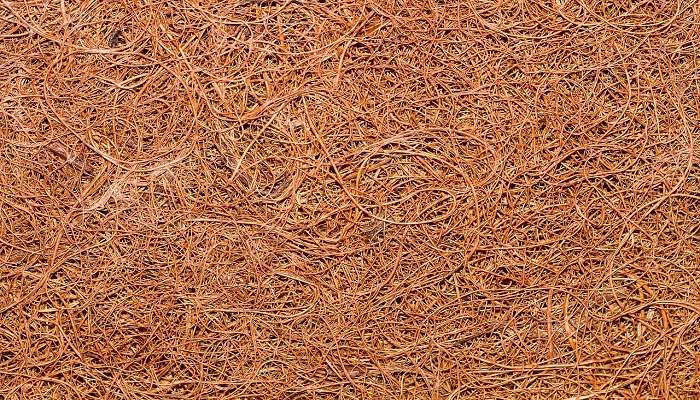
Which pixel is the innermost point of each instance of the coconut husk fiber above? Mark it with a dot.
(357, 199)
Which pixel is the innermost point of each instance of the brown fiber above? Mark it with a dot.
(355, 199)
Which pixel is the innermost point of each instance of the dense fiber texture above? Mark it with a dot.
(358, 199)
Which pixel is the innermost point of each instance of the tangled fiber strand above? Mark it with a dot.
(353, 199)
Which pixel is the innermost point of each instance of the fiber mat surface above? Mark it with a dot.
(349, 199)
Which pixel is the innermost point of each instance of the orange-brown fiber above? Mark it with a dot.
(353, 199)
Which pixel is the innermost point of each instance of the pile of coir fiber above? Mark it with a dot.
(360, 199)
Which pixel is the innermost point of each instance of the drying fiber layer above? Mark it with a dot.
(356, 199)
